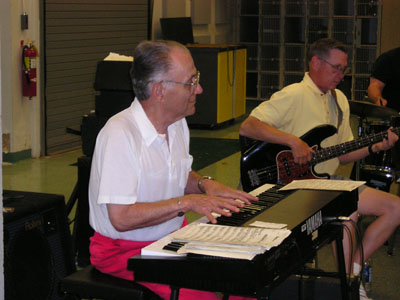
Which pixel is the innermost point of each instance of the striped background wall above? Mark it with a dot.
(77, 34)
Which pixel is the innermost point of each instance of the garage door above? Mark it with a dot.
(78, 34)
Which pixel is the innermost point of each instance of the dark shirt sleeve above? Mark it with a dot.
(382, 69)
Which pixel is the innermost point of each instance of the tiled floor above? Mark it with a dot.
(51, 174)
(58, 174)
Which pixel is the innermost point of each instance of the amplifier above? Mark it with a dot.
(37, 245)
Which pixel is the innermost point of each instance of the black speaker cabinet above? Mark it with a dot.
(113, 87)
(108, 103)
(37, 245)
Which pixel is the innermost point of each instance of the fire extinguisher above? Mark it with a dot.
(29, 55)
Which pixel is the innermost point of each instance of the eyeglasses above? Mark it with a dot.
(193, 84)
(344, 71)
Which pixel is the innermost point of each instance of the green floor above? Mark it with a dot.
(58, 174)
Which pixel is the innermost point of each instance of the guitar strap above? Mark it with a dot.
(340, 113)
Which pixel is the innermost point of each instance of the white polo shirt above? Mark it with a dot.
(300, 107)
(133, 163)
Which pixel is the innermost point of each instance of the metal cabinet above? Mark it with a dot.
(223, 78)
(277, 35)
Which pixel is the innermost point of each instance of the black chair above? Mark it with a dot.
(89, 283)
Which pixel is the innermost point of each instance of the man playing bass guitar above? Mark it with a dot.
(315, 101)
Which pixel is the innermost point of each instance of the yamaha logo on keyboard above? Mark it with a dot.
(312, 223)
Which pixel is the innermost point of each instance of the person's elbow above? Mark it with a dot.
(119, 225)
(245, 127)
(119, 217)
(375, 87)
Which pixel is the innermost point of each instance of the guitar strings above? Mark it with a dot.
(271, 172)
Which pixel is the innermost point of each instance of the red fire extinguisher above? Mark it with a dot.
(29, 55)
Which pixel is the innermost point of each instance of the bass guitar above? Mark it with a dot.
(271, 163)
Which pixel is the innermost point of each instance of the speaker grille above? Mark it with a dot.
(36, 247)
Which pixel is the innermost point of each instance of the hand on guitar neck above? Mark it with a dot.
(265, 162)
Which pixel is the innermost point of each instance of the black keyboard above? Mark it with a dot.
(302, 210)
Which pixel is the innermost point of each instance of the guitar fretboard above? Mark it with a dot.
(344, 148)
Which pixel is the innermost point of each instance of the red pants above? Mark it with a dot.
(111, 256)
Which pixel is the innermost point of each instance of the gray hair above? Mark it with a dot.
(322, 47)
(151, 61)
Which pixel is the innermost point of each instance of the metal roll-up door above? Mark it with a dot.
(78, 34)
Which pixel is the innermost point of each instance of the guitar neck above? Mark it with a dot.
(344, 148)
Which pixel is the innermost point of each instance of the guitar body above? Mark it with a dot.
(273, 163)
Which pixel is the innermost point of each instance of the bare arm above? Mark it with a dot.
(139, 215)
(385, 144)
(256, 129)
(219, 198)
(215, 188)
(375, 89)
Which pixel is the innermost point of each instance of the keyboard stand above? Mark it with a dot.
(342, 265)
(341, 274)
(174, 293)
(336, 234)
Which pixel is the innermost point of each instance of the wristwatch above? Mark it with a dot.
(200, 182)
(370, 149)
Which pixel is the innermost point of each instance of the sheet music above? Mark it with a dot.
(228, 241)
(323, 184)
(156, 248)
(199, 249)
(118, 57)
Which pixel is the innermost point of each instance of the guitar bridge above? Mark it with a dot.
(286, 165)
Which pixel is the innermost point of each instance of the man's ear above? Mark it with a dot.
(158, 90)
(315, 62)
